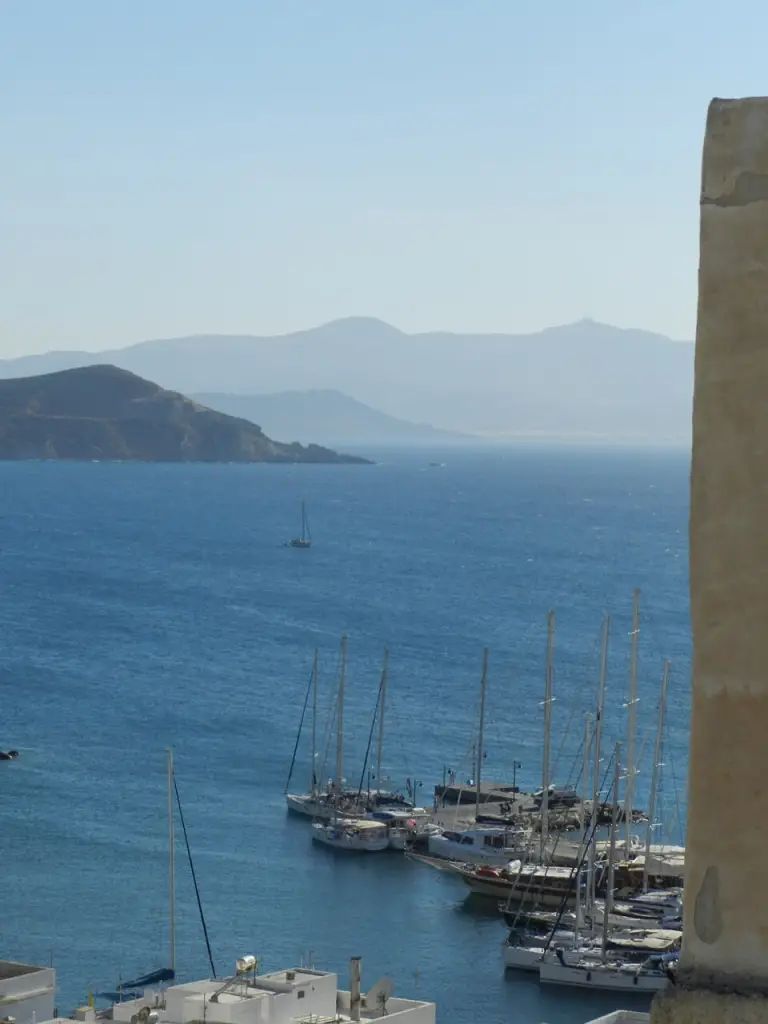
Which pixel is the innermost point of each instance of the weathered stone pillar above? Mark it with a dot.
(724, 964)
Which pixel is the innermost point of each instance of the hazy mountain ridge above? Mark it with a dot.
(105, 413)
(328, 417)
(585, 378)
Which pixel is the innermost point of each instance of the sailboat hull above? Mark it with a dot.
(602, 977)
(310, 807)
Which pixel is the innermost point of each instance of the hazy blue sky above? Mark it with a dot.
(180, 166)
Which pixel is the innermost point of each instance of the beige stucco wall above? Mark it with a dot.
(726, 900)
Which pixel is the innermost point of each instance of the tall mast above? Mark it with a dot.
(171, 863)
(547, 731)
(585, 788)
(656, 769)
(382, 707)
(629, 792)
(479, 770)
(596, 773)
(313, 778)
(340, 717)
(582, 823)
(608, 909)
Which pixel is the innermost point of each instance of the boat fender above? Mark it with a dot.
(589, 975)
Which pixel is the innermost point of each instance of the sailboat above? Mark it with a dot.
(323, 802)
(600, 968)
(304, 540)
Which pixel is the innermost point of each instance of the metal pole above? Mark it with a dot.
(655, 779)
(608, 909)
(171, 863)
(340, 719)
(382, 706)
(479, 772)
(313, 787)
(547, 730)
(596, 776)
(629, 792)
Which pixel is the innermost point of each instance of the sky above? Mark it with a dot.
(192, 166)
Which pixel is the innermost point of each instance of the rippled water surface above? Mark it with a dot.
(150, 606)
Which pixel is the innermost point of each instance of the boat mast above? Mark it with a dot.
(608, 909)
(303, 521)
(340, 717)
(592, 877)
(382, 706)
(313, 779)
(585, 781)
(479, 771)
(171, 863)
(629, 792)
(547, 731)
(582, 825)
(655, 778)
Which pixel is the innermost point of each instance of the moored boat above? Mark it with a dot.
(352, 834)
(524, 884)
(591, 972)
(482, 845)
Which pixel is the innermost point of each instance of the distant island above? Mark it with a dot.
(581, 380)
(327, 417)
(105, 413)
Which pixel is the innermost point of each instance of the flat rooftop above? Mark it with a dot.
(9, 969)
(300, 995)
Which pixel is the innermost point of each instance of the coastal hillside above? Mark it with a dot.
(327, 417)
(102, 412)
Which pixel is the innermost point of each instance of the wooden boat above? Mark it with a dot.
(521, 884)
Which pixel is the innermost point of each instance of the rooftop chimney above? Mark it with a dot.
(354, 988)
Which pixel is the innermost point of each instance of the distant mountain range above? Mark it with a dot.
(325, 417)
(104, 413)
(582, 379)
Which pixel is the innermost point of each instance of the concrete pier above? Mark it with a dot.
(723, 972)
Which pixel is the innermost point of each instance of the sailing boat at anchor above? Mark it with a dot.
(304, 540)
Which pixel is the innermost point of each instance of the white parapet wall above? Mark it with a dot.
(27, 993)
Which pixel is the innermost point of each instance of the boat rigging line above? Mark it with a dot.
(194, 877)
(298, 734)
(376, 713)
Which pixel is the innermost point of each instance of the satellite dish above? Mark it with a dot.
(379, 995)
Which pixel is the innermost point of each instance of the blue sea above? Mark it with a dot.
(147, 606)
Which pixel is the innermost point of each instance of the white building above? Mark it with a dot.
(299, 996)
(26, 993)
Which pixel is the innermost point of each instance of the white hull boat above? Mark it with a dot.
(601, 976)
(526, 952)
(489, 845)
(353, 836)
(402, 837)
(309, 806)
